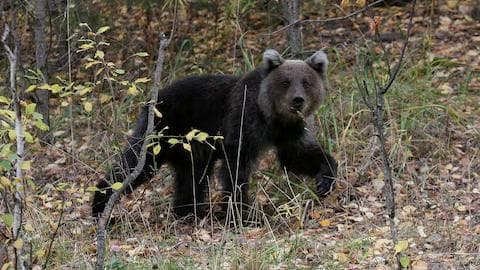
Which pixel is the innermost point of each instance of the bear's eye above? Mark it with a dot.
(285, 84)
(306, 84)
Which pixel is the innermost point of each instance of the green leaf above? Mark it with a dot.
(119, 71)
(102, 29)
(132, 90)
(31, 88)
(8, 220)
(41, 125)
(401, 246)
(30, 108)
(6, 165)
(117, 185)
(28, 137)
(85, 90)
(156, 149)
(404, 261)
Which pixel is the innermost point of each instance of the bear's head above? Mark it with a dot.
(291, 90)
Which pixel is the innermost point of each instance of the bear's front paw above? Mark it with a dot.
(325, 185)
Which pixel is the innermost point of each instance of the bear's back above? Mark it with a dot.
(195, 102)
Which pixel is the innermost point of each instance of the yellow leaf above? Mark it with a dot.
(103, 29)
(142, 80)
(345, 4)
(12, 135)
(26, 165)
(7, 266)
(18, 244)
(361, 3)
(105, 98)
(64, 104)
(117, 185)
(173, 141)
(31, 88)
(157, 112)
(156, 149)
(401, 246)
(201, 136)
(45, 87)
(99, 54)
(191, 134)
(87, 106)
(132, 90)
(29, 227)
(85, 91)
(141, 54)
(341, 257)
(187, 147)
(5, 182)
(325, 223)
(92, 189)
(4, 100)
(40, 253)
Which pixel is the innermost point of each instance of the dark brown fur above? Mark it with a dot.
(274, 100)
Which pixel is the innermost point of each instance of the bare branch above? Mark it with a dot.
(54, 235)
(326, 20)
(404, 49)
(103, 220)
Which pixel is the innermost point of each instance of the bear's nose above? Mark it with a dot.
(297, 102)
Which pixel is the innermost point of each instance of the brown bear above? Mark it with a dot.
(266, 108)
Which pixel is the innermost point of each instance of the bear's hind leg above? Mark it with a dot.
(190, 187)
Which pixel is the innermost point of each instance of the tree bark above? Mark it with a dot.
(42, 96)
(291, 13)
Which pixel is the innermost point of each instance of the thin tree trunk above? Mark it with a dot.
(42, 96)
(103, 220)
(13, 57)
(291, 12)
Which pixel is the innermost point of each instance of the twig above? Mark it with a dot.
(54, 235)
(377, 110)
(404, 48)
(326, 20)
(102, 222)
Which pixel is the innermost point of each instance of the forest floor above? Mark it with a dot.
(432, 131)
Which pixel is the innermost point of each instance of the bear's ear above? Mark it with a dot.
(272, 59)
(319, 62)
